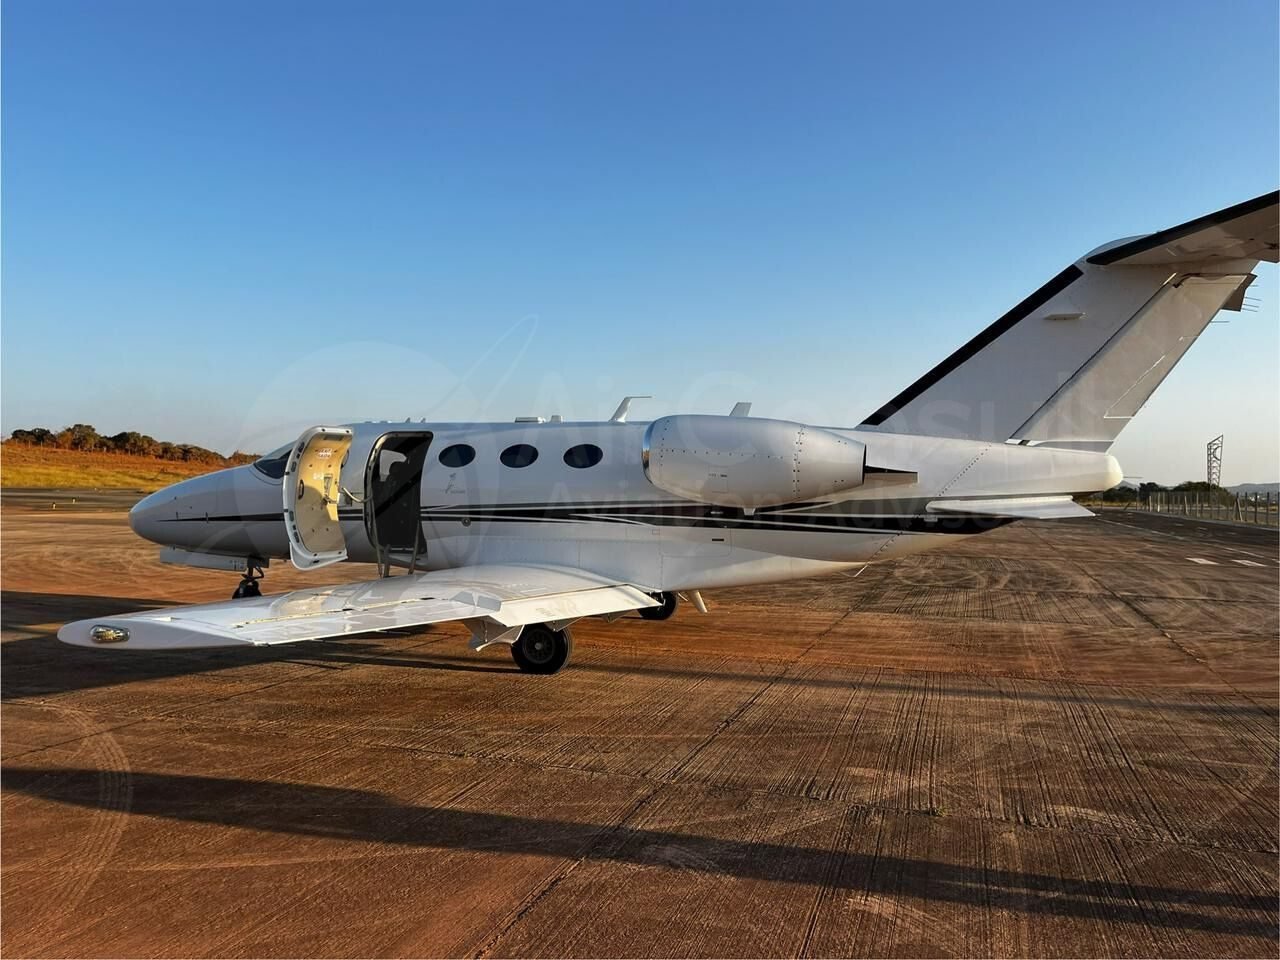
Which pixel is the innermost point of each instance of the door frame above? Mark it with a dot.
(370, 500)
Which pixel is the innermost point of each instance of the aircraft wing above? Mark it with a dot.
(494, 599)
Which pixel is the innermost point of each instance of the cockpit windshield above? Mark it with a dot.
(273, 464)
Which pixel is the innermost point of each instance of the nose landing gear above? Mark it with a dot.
(248, 586)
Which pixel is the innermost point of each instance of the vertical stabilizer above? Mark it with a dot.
(1077, 359)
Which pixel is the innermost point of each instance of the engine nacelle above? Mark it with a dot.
(748, 462)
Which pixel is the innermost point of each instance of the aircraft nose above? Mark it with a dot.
(178, 515)
(214, 513)
(143, 519)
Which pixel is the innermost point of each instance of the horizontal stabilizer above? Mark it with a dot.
(1246, 231)
(1022, 508)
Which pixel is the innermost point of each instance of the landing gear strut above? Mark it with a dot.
(666, 607)
(249, 583)
(539, 649)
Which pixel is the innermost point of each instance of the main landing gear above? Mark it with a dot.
(539, 649)
(249, 586)
(666, 607)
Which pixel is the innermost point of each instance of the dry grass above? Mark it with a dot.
(22, 466)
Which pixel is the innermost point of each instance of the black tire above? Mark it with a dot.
(247, 588)
(663, 611)
(540, 649)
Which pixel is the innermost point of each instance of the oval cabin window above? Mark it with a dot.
(583, 455)
(519, 455)
(459, 455)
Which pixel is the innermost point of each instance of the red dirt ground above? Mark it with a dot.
(1055, 740)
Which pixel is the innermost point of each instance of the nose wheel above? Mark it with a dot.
(249, 586)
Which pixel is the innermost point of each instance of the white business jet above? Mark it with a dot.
(519, 529)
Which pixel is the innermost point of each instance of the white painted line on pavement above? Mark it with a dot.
(1136, 528)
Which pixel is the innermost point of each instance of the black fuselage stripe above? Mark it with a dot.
(230, 518)
(679, 516)
(834, 524)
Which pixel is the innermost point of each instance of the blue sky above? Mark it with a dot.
(224, 221)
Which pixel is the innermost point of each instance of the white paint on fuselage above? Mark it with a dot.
(240, 507)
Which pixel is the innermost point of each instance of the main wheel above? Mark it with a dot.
(247, 588)
(663, 611)
(540, 649)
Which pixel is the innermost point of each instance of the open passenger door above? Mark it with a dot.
(311, 490)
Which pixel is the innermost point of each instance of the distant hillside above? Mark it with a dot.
(79, 458)
(72, 469)
(1263, 488)
(83, 437)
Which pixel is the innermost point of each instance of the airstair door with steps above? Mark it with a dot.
(311, 489)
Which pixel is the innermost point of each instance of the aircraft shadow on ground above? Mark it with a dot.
(365, 816)
(39, 665)
(23, 609)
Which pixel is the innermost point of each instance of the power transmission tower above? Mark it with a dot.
(1213, 461)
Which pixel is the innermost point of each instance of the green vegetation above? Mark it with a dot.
(1127, 493)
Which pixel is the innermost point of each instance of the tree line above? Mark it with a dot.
(1127, 494)
(82, 436)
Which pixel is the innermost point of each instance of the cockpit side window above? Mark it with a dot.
(273, 464)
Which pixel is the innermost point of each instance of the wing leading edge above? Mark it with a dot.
(495, 600)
